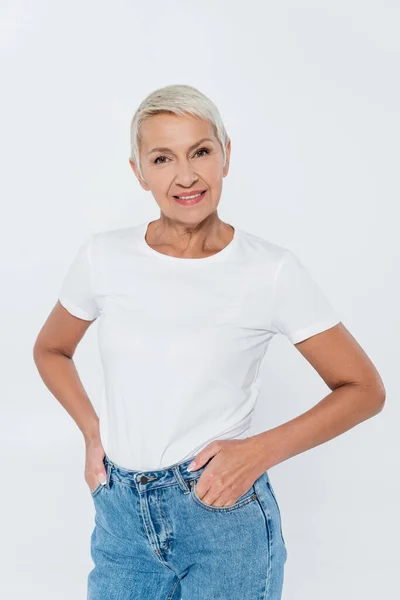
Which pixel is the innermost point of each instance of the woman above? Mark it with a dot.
(187, 305)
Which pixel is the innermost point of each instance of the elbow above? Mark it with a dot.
(380, 395)
(379, 404)
(370, 395)
(381, 400)
(376, 394)
(37, 352)
(38, 347)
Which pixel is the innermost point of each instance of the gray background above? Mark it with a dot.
(309, 92)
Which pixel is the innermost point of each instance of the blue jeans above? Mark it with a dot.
(155, 539)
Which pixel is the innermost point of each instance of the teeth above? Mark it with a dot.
(189, 197)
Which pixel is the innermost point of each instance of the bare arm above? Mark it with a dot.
(53, 353)
(358, 393)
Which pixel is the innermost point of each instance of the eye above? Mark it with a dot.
(157, 163)
(206, 150)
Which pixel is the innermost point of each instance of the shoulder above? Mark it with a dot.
(264, 251)
(113, 241)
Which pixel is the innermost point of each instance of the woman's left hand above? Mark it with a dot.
(235, 466)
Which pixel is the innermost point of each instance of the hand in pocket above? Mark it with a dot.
(95, 471)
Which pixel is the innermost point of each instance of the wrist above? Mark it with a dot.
(266, 448)
(91, 435)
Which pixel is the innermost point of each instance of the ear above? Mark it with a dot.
(228, 156)
(141, 181)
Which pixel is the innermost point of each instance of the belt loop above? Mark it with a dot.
(181, 481)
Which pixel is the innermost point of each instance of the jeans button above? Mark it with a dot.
(144, 479)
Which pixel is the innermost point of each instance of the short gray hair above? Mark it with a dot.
(176, 99)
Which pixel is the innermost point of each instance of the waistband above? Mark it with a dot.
(144, 480)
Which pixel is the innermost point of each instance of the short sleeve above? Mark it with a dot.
(76, 293)
(300, 308)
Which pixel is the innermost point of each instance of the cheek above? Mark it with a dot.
(159, 183)
(212, 174)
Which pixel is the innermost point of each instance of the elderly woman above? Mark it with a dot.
(187, 306)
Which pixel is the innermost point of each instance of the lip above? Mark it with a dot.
(189, 193)
(191, 201)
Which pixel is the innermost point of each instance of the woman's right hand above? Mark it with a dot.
(95, 472)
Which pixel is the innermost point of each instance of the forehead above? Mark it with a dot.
(173, 131)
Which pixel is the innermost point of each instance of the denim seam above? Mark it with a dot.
(235, 506)
(151, 534)
(96, 490)
(269, 559)
(164, 522)
(270, 544)
(171, 594)
(99, 523)
(279, 511)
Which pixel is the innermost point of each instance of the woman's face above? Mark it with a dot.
(191, 160)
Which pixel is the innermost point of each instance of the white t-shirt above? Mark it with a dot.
(181, 340)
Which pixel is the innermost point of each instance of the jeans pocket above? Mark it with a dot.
(246, 498)
(108, 468)
(96, 490)
(274, 499)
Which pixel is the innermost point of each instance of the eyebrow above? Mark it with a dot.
(169, 149)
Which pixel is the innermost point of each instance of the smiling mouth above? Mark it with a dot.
(191, 197)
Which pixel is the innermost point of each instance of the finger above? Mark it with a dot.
(102, 477)
(203, 456)
(210, 498)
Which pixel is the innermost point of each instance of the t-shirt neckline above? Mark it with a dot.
(218, 256)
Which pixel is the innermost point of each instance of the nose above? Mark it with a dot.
(185, 174)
